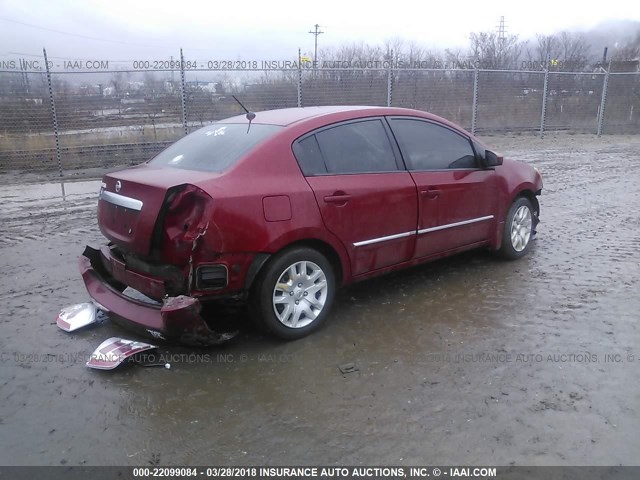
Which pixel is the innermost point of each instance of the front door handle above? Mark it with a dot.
(430, 193)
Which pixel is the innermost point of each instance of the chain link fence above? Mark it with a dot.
(65, 121)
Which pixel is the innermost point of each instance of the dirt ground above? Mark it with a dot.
(470, 360)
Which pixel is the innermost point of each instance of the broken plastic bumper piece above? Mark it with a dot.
(177, 319)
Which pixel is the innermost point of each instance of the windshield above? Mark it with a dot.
(214, 148)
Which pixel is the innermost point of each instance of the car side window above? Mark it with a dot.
(428, 146)
(309, 158)
(357, 147)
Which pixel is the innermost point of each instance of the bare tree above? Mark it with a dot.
(120, 82)
(574, 51)
(153, 86)
(393, 49)
(630, 52)
(456, 58)
(547, 48)
(566, 51)
(492, 52)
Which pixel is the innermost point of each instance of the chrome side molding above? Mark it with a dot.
(420, 232)
(456, 224)
(383, 239)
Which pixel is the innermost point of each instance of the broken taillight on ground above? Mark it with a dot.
(113, 352)
(77, 316)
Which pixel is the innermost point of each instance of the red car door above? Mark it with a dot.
(457, 196)
(365, 197)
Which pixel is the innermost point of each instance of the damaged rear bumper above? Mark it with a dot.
(178, 319)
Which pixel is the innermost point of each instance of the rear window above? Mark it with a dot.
(214, 148)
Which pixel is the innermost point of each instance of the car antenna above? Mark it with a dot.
(250, 115)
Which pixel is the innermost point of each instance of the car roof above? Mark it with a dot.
(289, 116)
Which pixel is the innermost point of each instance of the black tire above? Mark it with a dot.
(508, 250)
(262, 299)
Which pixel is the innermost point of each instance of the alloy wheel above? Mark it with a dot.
(521, 228)
(300, 294)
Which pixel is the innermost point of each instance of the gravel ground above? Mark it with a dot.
(469, 360)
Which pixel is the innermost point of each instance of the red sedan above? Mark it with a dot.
(281, 207)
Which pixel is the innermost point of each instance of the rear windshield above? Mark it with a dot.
(214, 148)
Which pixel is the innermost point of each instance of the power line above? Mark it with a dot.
(61, 32)
(39, 55)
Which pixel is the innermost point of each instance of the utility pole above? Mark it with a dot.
(316, 32)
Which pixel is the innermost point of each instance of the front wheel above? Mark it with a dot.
(518, 229)
(293, 295)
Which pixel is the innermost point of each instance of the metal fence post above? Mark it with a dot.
(474, 107)
(603, 100)
(545, 91)
(389, 86)
(184, 94)
(300, 77)
(54, 117)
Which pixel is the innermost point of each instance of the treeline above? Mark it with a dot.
(564, 51)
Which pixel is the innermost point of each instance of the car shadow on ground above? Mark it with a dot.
(230, 317)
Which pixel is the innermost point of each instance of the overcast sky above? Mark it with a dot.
(249, 29)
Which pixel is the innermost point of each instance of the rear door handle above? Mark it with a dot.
(341, 198)
(430, 193)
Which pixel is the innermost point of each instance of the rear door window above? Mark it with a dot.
(355, 147)
(307, 151)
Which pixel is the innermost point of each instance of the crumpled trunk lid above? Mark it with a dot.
(130, 202)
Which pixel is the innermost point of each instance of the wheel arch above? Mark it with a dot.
(262, 259)
(530, 195)
(524, 191)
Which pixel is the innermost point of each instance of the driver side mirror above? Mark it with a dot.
(492, 159)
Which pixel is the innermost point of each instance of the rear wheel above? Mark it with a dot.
(518, 229)
(293, 294)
